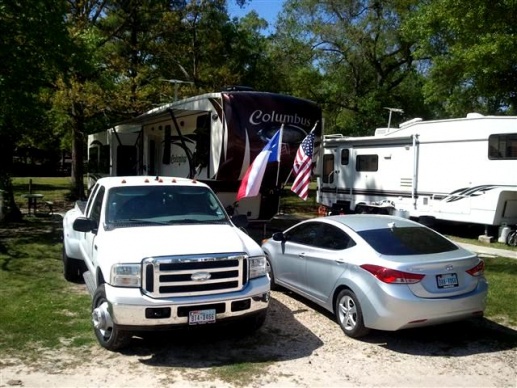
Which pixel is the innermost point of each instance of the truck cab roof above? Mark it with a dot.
(118, 181)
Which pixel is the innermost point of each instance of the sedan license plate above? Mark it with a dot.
(198, 317)
(448, 280)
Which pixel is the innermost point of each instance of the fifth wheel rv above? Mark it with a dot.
(462, 170)
(212, 137)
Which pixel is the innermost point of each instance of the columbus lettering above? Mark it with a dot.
(259, 117)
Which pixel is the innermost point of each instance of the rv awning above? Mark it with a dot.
(158, 114)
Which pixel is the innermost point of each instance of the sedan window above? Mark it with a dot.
(305, 234)
(406, 241)
(320, 235)
(333, 238)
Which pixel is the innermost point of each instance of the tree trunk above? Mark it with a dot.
(77, 152)
(9, 210)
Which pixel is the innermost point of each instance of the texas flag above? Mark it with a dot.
(250, 185)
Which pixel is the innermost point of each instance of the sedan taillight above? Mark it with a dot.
(478, 270)
(392, 276)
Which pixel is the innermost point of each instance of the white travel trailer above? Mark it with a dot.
(212, 137)
(462, 170)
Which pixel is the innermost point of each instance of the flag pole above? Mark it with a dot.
(288, 176)
(278, 169)
(279, 154)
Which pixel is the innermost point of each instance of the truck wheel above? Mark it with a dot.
(269, 270)
(106, 331)
(71, 268)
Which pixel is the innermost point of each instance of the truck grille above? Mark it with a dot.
(194, 274)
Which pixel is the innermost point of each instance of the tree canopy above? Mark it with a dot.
(72, 67)
(470, 54)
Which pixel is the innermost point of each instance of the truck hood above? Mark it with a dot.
(131, 245)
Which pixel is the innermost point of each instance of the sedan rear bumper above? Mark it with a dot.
(395, 307)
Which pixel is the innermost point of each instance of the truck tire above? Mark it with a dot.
(269, 269)
(107, 332)
(72, 269)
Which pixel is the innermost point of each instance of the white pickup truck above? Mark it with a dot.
(161, 252)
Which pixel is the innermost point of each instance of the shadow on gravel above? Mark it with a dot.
(458, 339)
(209, 346)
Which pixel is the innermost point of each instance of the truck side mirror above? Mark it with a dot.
(83, 224)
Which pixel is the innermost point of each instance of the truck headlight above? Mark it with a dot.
(125, 275)
(257, 266)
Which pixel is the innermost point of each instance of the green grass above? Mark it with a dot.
(55, 190)
(52, 188)
(39, 308)
(239, 372)
(501, 274)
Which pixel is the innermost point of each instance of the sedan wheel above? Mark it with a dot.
(349, 314)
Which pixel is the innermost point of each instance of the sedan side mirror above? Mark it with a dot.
(279, 236)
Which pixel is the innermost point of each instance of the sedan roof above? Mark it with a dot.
(360, 222)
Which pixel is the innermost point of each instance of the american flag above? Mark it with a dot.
(302, 166)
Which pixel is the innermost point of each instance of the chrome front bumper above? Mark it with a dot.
(128, 307)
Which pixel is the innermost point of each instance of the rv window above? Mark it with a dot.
(126, 160)
(328, 168)
(502, 146)
(166, 157)
(202, 154)
(152, 154)
(367, 163)
(98, 159)
(345, 154)
(93, 159)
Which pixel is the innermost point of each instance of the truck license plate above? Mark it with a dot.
(448, 280)
(197, 317)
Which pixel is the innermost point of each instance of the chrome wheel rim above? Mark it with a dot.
(348, 313)
(102, 321)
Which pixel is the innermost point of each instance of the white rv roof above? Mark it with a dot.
(473, 126)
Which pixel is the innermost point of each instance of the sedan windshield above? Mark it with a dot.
(406, 241)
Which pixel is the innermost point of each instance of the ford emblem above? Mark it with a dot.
(201, 276)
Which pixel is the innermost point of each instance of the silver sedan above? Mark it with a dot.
(378, 272)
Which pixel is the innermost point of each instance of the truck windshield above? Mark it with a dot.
(151, 205)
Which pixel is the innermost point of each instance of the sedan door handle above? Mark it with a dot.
(301, 255)
(340, 261)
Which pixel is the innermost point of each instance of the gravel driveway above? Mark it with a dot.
(299, 346)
